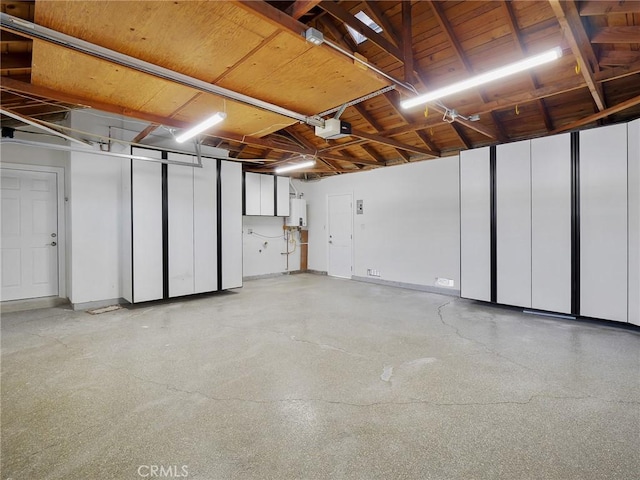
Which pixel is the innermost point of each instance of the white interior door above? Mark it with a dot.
(29, 234)
(340, 235)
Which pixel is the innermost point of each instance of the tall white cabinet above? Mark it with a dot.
(513, 223)
(551, 223)
(184, 227)
(603, 223)
(475, 220)
(633, 137)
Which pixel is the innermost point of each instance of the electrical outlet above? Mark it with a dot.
(444, 282)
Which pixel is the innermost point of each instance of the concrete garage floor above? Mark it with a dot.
(309, 377)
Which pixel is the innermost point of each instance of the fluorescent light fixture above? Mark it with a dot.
(295, 166)
(201, 127)
(483, 78)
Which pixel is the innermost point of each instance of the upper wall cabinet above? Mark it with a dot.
(266, 195)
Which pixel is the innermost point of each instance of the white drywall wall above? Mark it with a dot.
(263, 248)
(410, 228)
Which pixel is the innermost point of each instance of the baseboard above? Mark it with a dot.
(410, 286)
(98, 304)
(265, 275)
(10, 306)
(316, 272)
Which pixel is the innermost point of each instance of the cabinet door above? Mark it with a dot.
(282, 206)
(267, 192)
(180, 226)
(231, 224)
(252, 193)
(603, 223)
(205, 227)
(551, 223)
(634, 221)
(475, 225)
(513, 223)
(146, 223)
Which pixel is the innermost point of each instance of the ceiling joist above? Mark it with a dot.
(569, 20)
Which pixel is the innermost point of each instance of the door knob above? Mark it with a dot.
(53, 235)
(53, 244)
(330, 241)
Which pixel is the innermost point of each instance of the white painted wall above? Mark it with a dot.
(260, 259)
(410, 229)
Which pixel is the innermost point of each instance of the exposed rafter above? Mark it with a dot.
(344, 16)
(374, 124)
(567, 15)
(457, 48)
(517, 38)
(381, 19)
(299, 8)
(407, 42)
(632, 102)
(606, 7)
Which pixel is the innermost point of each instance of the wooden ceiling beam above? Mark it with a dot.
(427, 141)
(393, 143)
(345, 17)
(446, 28)
(617, 58)
(618, 72)
(300, 8)
(461, 135)
(393, 101)
(407, 42)
(517, 38)
(372, 153)
(374, 124)
(381, 19)
(344, 40)
(621, 34)
(606, 7)
(632, 102)
(569, 20)
(145, 133)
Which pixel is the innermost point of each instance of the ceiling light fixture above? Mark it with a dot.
(486, 77)
(295, 166)
(201, 127)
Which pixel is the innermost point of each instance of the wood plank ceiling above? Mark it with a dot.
(256, 48)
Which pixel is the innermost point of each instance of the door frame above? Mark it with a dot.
(327, 231)
(62, 232)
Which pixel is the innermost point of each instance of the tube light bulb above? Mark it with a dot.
(201, 127)
(486, 77)
(295, 166)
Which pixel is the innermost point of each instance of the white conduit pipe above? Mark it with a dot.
(66, 148)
